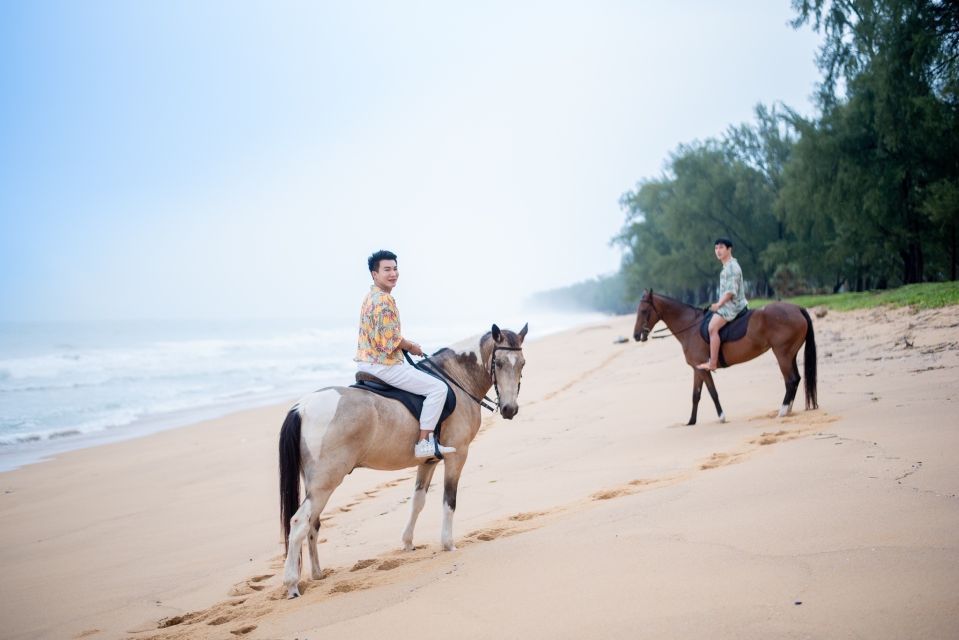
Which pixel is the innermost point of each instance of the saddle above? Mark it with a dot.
(412, 401)
(732, 331)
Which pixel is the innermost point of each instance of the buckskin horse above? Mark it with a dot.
(334, 430)
(780, 326)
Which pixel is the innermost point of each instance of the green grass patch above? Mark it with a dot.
(928, 295)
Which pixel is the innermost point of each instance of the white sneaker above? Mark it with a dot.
(425, 449)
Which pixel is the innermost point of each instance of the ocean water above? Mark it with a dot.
(65, 386)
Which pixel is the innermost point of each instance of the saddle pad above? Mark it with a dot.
(731, 331)
(412, 401)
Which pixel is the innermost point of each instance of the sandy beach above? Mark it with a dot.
(594, 513)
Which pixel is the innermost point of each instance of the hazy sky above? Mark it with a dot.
(240, 159)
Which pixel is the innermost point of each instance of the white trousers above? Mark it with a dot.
(404, 376)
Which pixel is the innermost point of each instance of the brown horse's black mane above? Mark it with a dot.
(649, 295)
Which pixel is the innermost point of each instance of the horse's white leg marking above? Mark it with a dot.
(447, 535)
(722, 417)
(453, 466)
(783, 410)
(299, 525)
(419, 499)
(423, 476)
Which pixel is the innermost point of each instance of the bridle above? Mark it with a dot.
(492, 370)
(652, 302)
(428, 365)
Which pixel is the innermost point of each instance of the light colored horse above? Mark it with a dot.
(330, 432)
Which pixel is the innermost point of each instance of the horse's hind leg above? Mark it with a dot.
(319, 503)
(790, 371)
(424, 474)
(711, 387)
(301, 525)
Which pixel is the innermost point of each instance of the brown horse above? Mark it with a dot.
(779, 326)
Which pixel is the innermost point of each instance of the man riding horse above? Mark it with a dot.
(380, 347)
(732, 299)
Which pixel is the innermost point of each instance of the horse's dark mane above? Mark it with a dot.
(512, 340)
(671, 299)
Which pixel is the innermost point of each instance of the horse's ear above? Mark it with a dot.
(522, 332)
(497, 334)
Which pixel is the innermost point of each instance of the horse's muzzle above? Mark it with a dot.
(509, 410)
(641, 336)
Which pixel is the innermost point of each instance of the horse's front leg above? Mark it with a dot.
(424, 474)
(697, 392)
(453, 467)
(711, 387)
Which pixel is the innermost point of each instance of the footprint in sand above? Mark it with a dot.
(347, 587)
(773, 438)
(529, 515)
(243, 630)
(362, 564)
(221, 620)
(249, 586)
(487, 534)
(609, 494)
(186, 618)
(721, 460)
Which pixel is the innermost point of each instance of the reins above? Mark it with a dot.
(428, 365)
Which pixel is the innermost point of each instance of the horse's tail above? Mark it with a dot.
(809, 365)
(289, 471)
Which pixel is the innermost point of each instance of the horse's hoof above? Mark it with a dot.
(294, 593)
(449, 547)
(722, 417)
(407, 546)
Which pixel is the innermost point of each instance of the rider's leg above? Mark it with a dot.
(716, 323)
(405, 377)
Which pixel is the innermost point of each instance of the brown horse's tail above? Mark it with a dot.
(809, 364)
(289, 471)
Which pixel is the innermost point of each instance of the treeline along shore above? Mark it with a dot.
(862, 195)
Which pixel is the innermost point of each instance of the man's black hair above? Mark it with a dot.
(725, 241)
(373, 262)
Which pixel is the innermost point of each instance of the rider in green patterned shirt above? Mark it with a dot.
(732, 299)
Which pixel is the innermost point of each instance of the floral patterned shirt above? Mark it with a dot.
(731, 281)
(380, 337)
